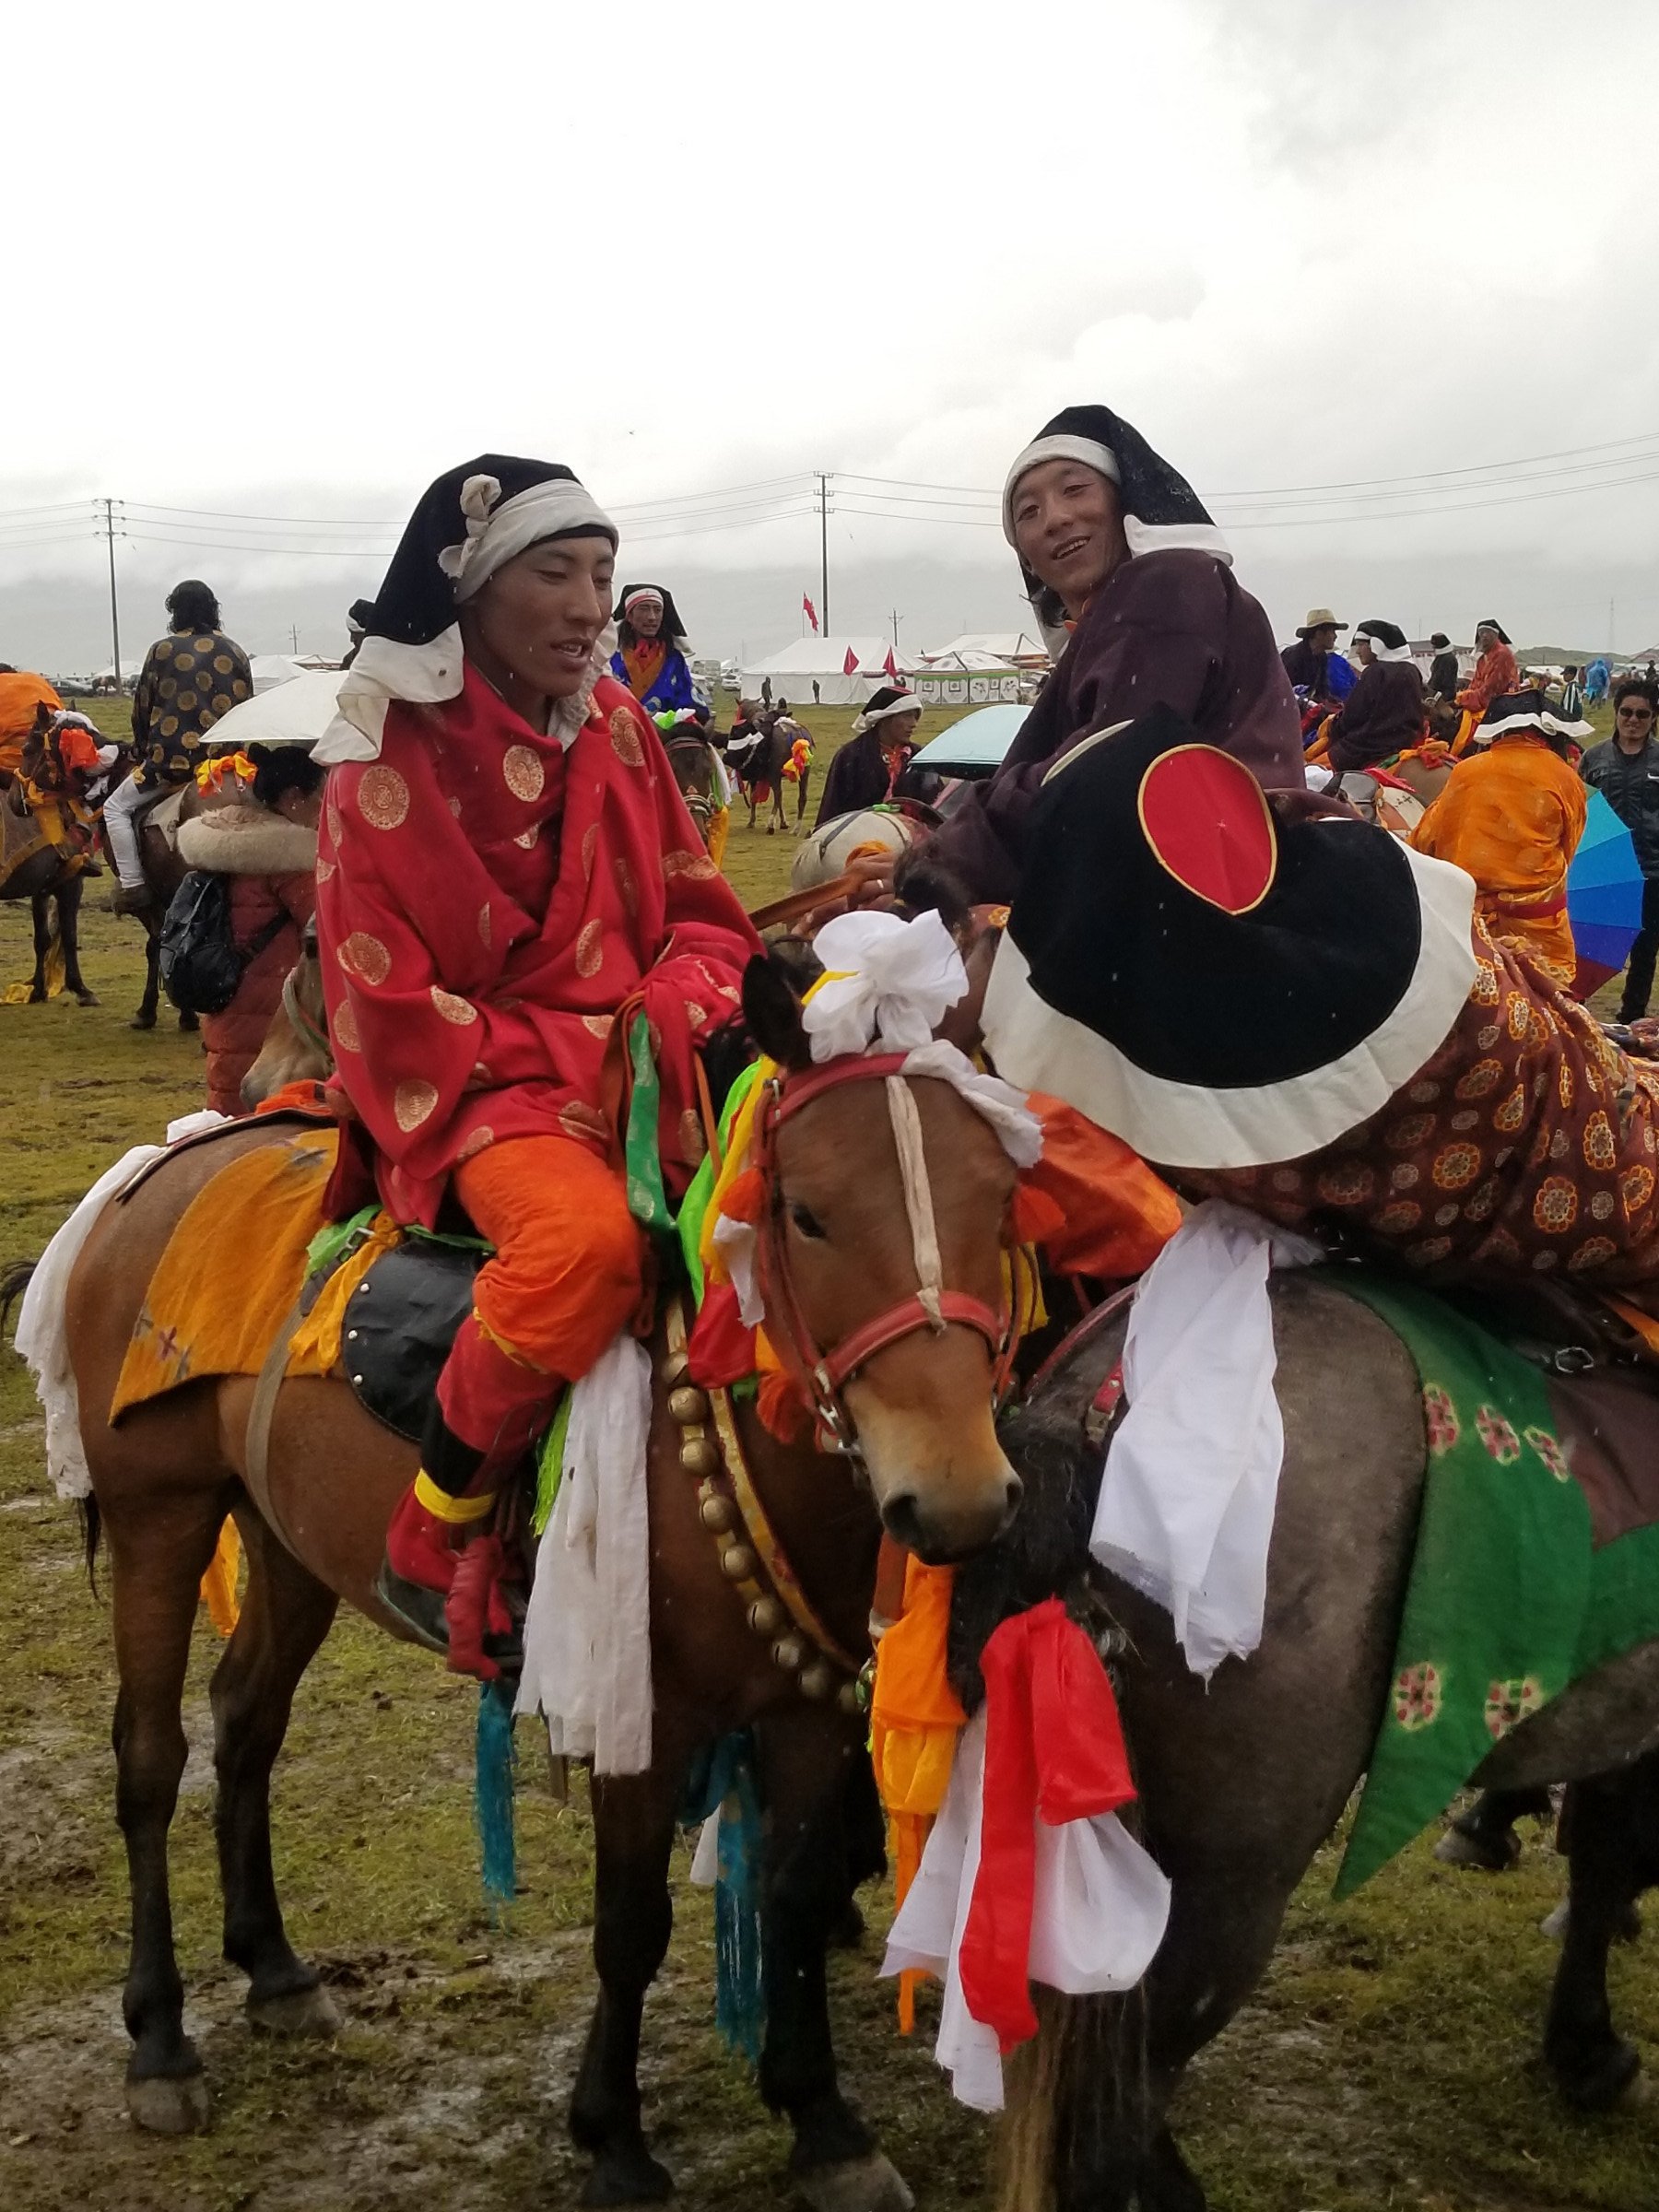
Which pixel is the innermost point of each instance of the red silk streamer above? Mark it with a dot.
(1054, 1748)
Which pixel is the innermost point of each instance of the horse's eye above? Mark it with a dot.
(805, 1221)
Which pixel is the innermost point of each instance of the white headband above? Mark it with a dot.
(1092, 454)
(497, 534)
(642, 598)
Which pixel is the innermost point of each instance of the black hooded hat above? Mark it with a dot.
(1496, 627)
(673, 631)
(1161, 509)
(426, 582)
(1185, 969)
(465, 527)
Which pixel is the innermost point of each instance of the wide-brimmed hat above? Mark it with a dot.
(1217, 987)
(1319, 617)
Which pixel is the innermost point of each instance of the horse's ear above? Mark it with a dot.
(774, 1012)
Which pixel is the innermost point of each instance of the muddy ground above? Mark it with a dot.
(1389, 2060)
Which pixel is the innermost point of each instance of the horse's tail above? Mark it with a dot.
(13, 1284)
(92, 1527)
(1077, 2102)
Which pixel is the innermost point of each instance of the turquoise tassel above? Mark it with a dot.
(493, 1790)
(725, 1779)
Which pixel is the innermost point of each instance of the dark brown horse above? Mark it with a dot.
(48, 875)
(926, 1456)
(1239, 1785)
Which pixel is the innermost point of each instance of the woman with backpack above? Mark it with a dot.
(261, 839)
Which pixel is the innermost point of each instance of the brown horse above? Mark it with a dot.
(924, 1457)
(54, 891)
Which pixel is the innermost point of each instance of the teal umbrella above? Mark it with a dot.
(1604, 897)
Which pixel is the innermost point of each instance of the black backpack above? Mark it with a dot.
(201, 964)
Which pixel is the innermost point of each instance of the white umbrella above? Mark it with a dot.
(296, 712)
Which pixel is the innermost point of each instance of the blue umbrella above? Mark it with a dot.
(975, 745)
(1604, 897)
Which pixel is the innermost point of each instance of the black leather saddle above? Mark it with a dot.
(399, 1325)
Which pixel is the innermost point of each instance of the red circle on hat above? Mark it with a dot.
(1209, 823)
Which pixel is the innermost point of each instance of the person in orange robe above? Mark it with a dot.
(1511, 817)
(1496, 673)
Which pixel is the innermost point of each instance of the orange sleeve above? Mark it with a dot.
(1119, 1214)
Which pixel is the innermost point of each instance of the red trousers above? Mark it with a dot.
(564, 1279)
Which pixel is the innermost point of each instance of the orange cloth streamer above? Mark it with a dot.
(1116, 1215)
(914, 1720)
(218, 1584)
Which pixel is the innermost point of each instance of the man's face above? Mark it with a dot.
(1485, 639)
(646, 617)
(1633, 722)
(1324, 639)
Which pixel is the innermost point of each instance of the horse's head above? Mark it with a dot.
(880, 1256)
(692, 761)
(296, 1047)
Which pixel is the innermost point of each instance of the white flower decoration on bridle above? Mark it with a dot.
(478, 496)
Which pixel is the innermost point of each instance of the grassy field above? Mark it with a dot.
(1388, 2060)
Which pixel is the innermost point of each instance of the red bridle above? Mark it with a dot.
(819, 1374)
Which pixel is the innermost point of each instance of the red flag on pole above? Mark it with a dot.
(850, 666)
(809, 610)
(891, 665)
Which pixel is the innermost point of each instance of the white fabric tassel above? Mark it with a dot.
(587, 1635)
(1187, 1500)
(1098, 1909)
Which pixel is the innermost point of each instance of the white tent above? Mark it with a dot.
(1013, 645)
(793, 670)
(970, 679)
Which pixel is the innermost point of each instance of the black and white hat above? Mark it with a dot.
(1217, 986)
(672, 630)
(467, 525)
(1530, 710)
(1160, 508)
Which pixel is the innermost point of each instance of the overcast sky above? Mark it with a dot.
(293, 261)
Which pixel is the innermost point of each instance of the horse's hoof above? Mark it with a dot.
(88, 998)
(1554, 1924)
(868, 2184)
(141, 1020)
(623, 2179)
(296, 2012)
(188, 1022)
(1607, 2078)
(170, 2104)
(37, 998)
(1457, 1849)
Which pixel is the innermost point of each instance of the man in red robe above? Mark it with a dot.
(506, 868)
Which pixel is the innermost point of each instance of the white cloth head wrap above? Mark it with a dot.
(908, 704)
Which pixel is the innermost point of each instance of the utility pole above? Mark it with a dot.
(824, 545)
(893, 619)
(108, 507)
(294, 636)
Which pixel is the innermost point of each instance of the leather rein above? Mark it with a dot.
(820, 1373)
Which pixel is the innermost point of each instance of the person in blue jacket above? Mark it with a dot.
(651, 649)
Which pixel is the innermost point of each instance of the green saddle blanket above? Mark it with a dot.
(1511, 1596)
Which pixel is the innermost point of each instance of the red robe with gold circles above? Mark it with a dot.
(486, 901)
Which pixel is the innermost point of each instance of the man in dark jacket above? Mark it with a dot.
(1442, 669)
(1313, 664)
(1384, 713)
(1625, 769)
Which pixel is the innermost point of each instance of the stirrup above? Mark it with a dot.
(421, 1611)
